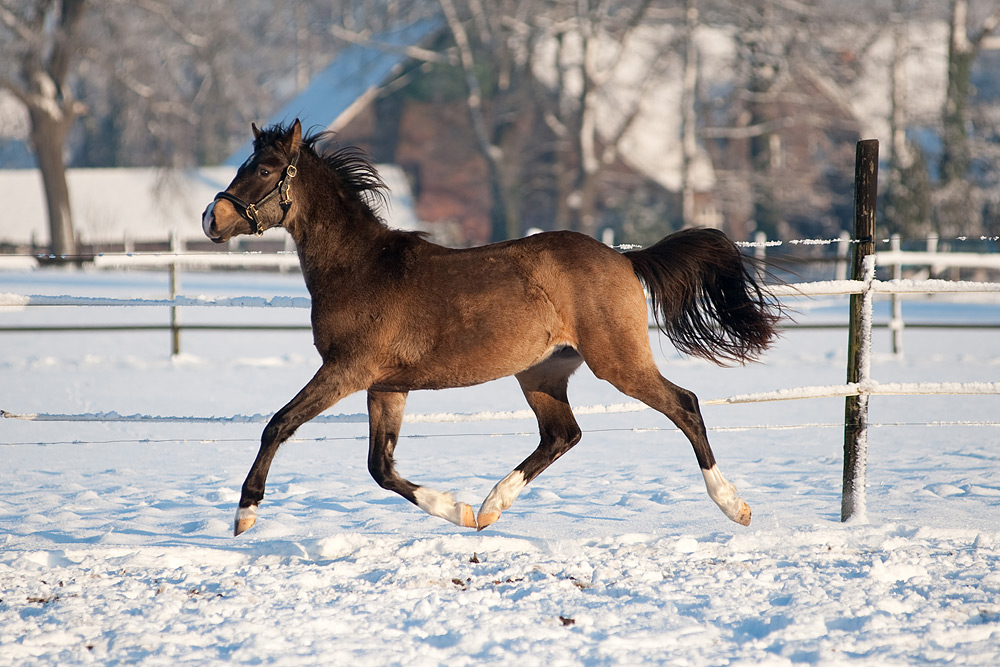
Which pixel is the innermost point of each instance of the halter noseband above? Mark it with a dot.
(251, 212)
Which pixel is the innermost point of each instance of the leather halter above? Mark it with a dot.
(251, 212)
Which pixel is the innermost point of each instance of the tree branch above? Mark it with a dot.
(415, 52)
(12, 21)
(178, 27)
(989, 25)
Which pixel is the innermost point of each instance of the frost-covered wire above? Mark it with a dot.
(506, 434)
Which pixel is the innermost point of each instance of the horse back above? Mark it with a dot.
(459, 317)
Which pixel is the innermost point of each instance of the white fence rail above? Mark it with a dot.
(811, 289)
(865, 388)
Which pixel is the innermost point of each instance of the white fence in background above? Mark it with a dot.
(176, 261)
(864, 388)
(934, 263)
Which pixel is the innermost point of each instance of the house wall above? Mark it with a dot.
(434, 145)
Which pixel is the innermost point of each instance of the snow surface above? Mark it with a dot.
(115, 541)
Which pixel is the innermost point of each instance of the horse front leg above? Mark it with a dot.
(385, 416)
(544, 387)
(325, 389)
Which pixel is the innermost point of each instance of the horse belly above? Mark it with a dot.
(492, 346)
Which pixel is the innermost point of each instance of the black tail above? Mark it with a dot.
(705, 296)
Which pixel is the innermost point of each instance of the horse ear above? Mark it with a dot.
(295, 137)
(256, 132)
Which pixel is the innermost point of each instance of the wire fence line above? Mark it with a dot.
(508, 434)
(870, 388)
(172, 261)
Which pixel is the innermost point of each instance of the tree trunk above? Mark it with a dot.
(962, 51)
(689, 118)
(591, 164)
(899, 158)
(955, 151)
(48, 136)
(501, 224)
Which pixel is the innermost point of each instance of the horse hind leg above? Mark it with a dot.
(544, 387)
(687, 416)
(681, 407)
(641, 380)
(385, 416)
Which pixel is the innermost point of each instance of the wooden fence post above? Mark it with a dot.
(859, 342)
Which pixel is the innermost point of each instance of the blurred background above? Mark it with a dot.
(492, 119)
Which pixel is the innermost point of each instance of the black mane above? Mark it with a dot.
(351, 165)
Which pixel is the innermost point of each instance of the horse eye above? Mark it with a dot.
(264, 172)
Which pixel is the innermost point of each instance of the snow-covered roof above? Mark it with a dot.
(356, 70)
(144, 204)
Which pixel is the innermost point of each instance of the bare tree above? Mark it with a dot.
(41, 43)
(907, 184)
(589, 43)
(689, 115)
(500, 219)
(182, 79)
(963, 47)
(958, 200)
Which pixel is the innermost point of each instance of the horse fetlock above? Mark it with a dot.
(501, 498)
(726, 497)
(246, 517)
(444, 506)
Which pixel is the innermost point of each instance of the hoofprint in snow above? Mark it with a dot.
(115, 536)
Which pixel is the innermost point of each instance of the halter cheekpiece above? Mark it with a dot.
(251, 212)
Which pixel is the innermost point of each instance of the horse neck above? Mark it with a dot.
(336, 232)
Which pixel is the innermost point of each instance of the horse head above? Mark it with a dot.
(260, 196)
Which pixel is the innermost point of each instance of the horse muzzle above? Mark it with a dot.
(208, 224)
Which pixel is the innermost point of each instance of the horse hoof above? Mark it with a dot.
(486, 518)
(468, 516)
(246, 517)
(743, 517)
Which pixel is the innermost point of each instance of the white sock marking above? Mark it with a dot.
(246, 513)
(503, 494)
(441, 505)
(723, 493)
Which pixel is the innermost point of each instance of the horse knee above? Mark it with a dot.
(275, 433)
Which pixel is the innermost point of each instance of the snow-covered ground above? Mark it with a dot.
(115, 542)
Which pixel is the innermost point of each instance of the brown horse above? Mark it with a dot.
(392, 312)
